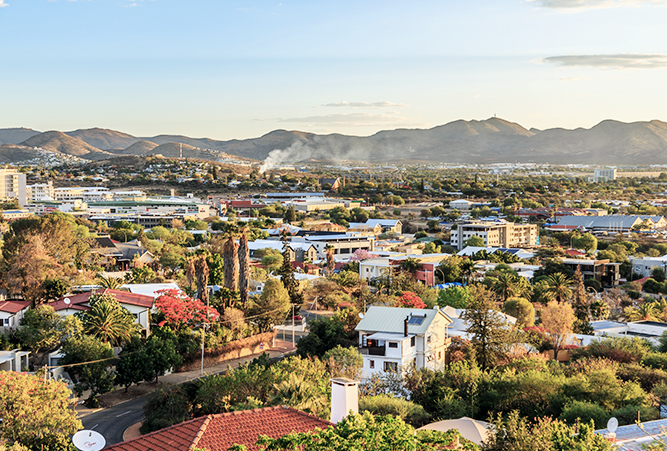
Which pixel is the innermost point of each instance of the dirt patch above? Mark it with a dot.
(117, 396)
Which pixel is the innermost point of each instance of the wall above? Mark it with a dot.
(233, 350)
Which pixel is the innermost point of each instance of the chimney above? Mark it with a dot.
(405, 326)
(344, 398)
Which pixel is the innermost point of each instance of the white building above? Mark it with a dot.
(12, 186)
(645, 265)
(393, 338)
(40, 192)
(604, 175)
(495, 234)
(87, 194)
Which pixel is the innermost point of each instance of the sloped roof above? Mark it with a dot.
(124, 297)
(383, 222)
(610, 221)
(390, 319)
(219, 432)
(13, 306)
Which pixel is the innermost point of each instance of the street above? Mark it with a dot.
(113, 421)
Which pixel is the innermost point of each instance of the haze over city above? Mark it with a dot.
(239, 69)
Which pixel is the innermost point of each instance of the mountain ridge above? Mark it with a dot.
(493, 140)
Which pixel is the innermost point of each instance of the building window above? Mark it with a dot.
(428, 339)
(390, 366)
(439, 355)
(393, 344)
(372, 364)
(412, 341)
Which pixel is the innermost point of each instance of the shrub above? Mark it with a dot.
(646, 377)
(584, 412)
(656, 360)
(620, 349)
(628, 414)
(408, 411)
(165, 408)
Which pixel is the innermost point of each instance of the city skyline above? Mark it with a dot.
(238, 69)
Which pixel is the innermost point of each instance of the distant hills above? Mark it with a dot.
(493, 140)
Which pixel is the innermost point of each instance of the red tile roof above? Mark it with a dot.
(13, 306)
(124, 297)
(219, 432)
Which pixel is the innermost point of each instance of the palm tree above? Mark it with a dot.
(202, 278)
(300, 394)
(244, 266)
(231, 262)
(110, 322)
(331, 265)
(410, 265)
(467, 270)
(559, 286)
(112, 283)
(507, 285)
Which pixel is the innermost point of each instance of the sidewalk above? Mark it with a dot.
(119, 396)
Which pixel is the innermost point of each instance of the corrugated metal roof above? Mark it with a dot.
(390, 319)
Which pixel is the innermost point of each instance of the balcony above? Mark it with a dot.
(373, 350)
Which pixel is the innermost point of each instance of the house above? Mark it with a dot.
(219, 432)
(604, 271)
(387, 225)
(644, 266)
(11, 313)
(333, 183)
(137, 304)
(393, 338)
(121, 256)
(14, 360)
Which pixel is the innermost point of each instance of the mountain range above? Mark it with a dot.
(493, 140)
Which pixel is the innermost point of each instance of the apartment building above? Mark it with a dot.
(495, 234)
(13, 186)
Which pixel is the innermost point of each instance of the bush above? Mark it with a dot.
(646, 377)
(165, 408)
(585, 412)
(628, 414)
(656, 360)
(408, 411)
(620, 349)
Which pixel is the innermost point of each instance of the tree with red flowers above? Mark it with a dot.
(410, 300)
(180, 310)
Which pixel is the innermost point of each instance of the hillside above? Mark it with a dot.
(492, 140)
(16, 135)
(104, 139)
(10, 153)
(63, 143)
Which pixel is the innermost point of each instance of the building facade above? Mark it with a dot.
(495, 234)
(13, 186)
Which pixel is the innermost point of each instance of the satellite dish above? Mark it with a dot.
(612, 424)
(88, 440)
(67, 301)
(361, 315)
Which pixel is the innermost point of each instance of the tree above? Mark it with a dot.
(271, 306)
(558, 321)
(507, 284)
(244, 267)
(112, 283)
(231, 258)
(487, 326)
(410, 300)
(133, 366)
(165, 408)
(331, 264)
(457, 297)
(580, 303)
(522, 310)
(142, 274)
(343, 362)
(180, 310)
(586, 242)
(658, 274)
(29, 269)
(290, 215)
(93, 376)
(109, 321)
(202, 278)
(324, 334)
(300, 394)
(35, 413)
(161, 355)
(41, 329)
(286, 273)
(559, 286)
(475, 241)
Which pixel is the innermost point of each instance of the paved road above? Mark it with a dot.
(113, 421)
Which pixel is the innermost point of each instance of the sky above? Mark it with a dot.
(235, 69)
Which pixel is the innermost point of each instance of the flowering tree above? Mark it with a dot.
(180, 310)
(410, 300)
(361, 254)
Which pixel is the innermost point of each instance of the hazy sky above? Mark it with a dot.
(237, 69)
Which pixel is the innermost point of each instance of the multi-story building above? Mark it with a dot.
(13, 186)
(644, 266)
(40, 192)
(392, 339)
(604, 175)
(495, 234)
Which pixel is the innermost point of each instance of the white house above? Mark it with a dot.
(14, 360)
(644, 266)
(11, 313)
(393, 338)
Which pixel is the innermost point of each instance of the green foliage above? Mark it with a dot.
(109, 321)
(344, 362)
(95, 377)
(324, 334)
(36, 414)
(475, 241)
(42, 330)
(133, 366)
(522, 310)
(586, 242)
(632, 413)
(619, 348)
(457, 297)
(408, 411)
(165, 408)
(585, 412)
(272, 306)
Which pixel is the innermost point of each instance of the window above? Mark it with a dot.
(372, 364)
(412, 341)
(439, 355)
(390, 366)
(393, 344)
(428, 339)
